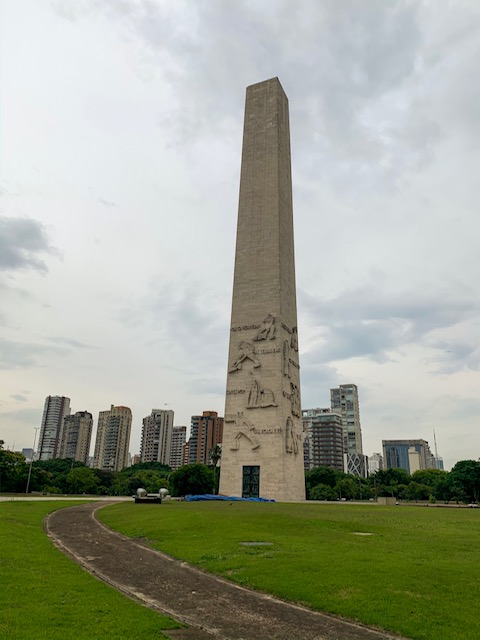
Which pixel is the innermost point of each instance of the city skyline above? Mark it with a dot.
(159, 427)
(119, 220)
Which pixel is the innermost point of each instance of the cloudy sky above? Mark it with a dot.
(121, 129)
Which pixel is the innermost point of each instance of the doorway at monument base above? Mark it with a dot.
(268, 479)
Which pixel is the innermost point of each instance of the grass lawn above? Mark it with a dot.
(44, 594)
(417, 575)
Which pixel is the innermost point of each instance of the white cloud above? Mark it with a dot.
(22, 241)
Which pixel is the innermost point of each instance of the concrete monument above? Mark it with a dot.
(262, 449)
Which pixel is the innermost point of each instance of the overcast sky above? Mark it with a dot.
(121, 131)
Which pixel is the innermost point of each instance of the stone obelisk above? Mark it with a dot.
(262, 449)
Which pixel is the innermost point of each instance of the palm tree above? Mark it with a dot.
(214, 455)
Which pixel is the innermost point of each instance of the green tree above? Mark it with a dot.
(347, 488)
(120, 485)
(151, 481)
(38, 478)
(465, 479)
(322, 475)
(55, 473)
(415, 491)
(323, 492)
(191, 479)
(389, 482)
(12, 466)
(146, 466)
(58, 465)
(363, 488)
(429, 477)
(47, 488)
(105, 481)
(81, 480)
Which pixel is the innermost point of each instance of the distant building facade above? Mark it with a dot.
(157, 436)
(179, 438)
(29, 454)
(205, 432)
(411, 455)
(323, 445)
(54, 411)
(113, 439)
(375, 463)
(344, 400)
(75, 436)
(356, 464)
(186, 453)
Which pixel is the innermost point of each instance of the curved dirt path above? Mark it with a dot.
(211, 606)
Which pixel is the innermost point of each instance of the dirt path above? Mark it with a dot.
(212, 607)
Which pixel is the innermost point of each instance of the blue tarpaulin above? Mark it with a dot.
(209, 496)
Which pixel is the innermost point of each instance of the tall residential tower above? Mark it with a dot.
(324, 439)
(157, 436)
(206, 431)
(113, 439)
(344, 400)
(179, 438)
(54, 411)
(75, 436)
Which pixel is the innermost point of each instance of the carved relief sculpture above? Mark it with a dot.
(259, 398)
(286, 358)
(295, 399)
(245, 430)
(267, 330)
(294, 339)
(291, 442)
(246, 351)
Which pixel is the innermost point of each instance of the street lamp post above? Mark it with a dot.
(31, 460)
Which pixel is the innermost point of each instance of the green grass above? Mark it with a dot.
(44, 594)
(418, 575)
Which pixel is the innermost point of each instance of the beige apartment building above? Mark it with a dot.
(75, 436)
(157, 436)
(179, 438)
(113, 439)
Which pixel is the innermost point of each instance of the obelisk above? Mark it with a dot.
(262, 449)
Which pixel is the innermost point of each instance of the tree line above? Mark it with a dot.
(461, 484)
(66, 476)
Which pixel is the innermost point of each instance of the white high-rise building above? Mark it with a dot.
(157, 436)
(113, 439)
(54, 411)
(375, 463)
(344, 400)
